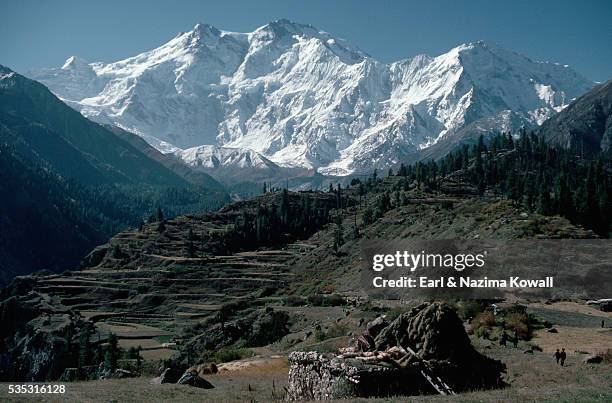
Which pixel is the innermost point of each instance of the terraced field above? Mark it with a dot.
(139, 305)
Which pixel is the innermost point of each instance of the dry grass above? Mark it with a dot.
(144, 343)
(574, 307)
(573, 339)
(157, 354)
(131, 330)
(254, 367)
(531, 378)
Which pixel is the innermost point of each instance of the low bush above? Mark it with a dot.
(469, 309)
(519, 322)
(326, 300)
(294, 300)
(232, 354)
(482, 324)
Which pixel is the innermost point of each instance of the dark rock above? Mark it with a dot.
(204, 369)
(552, 330)
(95, 257)
(169, 375)
(592, 359)
(374, 327)
(122, 373)
(365, 342)
(192, 378)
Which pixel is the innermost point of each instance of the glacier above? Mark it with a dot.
(293, 96)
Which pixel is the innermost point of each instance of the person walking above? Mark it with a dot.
(557, 356)
(515, 339)
(563, 356)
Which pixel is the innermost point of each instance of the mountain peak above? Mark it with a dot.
(201, 29)
(6, 73)
(5, 70)
(283, 27)
(74, 62)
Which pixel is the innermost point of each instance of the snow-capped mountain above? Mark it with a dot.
(230, 164)
(299, 97)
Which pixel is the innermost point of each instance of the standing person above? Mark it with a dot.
(557, 356)
(563, 356)
(515, 340)
(503, 338)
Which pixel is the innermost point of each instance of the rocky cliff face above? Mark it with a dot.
(586, 124)
(36, 334)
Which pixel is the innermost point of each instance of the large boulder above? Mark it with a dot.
(169, 375)
(593, 359)
(192, 378)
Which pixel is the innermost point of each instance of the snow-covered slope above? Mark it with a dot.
(209, 156)
(302, 98)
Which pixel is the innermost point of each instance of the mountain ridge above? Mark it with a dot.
(586, 124)
(303, 98)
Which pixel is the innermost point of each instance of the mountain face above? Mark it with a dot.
(45, 222)
(67, 184)
(42, 127)
(585, 124)
(302, 98)
(172, 162)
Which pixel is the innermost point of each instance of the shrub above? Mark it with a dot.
(232, 354)
(469, 309)
(326, 300)
(335, 330)
(519, 322)
(294, 300)
(482, 323)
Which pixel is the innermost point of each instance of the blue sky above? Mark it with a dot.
(36, 34)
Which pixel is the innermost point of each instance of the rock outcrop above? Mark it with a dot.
(169, 375)
(36, 334)
(192, 378)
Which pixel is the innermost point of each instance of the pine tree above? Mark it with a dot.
(112, 353)
(544, 202)
(367, 216)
